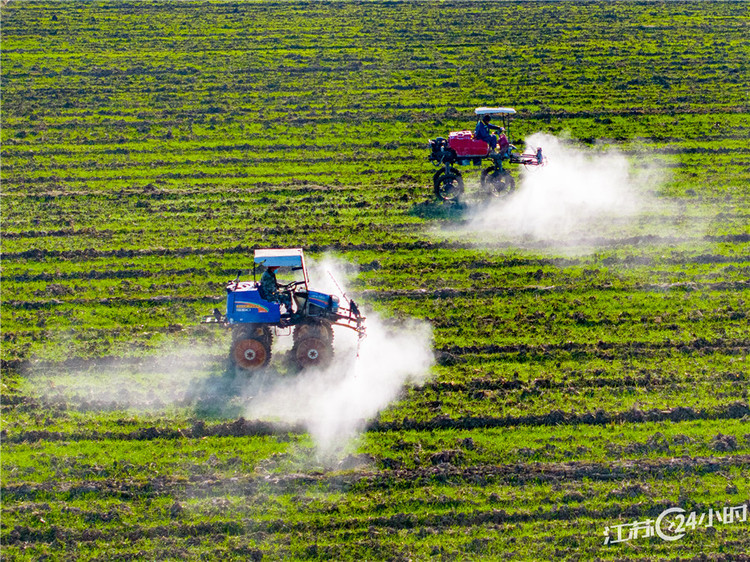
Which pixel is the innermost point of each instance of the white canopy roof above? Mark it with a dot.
(290, 257)
(495, 111)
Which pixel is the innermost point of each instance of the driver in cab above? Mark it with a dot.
(501, 143)
(269, 289)
(482, 131)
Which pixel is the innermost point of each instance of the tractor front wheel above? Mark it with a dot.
(449, 186)
(312, 352)
(497, 182)
(250, 354)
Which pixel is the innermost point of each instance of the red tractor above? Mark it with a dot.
(462, 148)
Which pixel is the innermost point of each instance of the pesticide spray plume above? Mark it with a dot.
(579, 196)
(334, 403)
(177, 375)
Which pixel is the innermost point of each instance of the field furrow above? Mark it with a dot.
(542, 370)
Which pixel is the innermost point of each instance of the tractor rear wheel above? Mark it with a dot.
(497, 182)
(312, 352)
(250, 354)
(450, 186)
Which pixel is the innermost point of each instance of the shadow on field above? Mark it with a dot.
(455, 211)
(227, 394)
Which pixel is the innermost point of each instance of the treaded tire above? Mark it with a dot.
(450, 186)
(497, 183)
(312, 352)
(250, 354)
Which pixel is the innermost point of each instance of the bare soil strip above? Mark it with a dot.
(447, 355)
(92, 253)
(516, 474)
(249, 428)
(637, 470)
(412, 294)
(735, 410)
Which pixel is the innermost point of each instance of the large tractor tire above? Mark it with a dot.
(248, 355)
(251, 347)
(497, 182)
(448, 186)
(312, 352)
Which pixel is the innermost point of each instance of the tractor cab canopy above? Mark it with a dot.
(293, 258)
(495, 111)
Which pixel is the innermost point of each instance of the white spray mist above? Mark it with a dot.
(335, 402)
(579, 194)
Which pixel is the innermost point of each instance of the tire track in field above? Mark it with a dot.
(238, 428)
(251, 428)
(93, 253)
(177, 194)
(148, 174)
(263, 140)
(382, 156)
(479, 476)
(112, 301)
(176, 118)
(473, 264)
(236, 233)
(450, 355)
(469, 292)
(475, 390)
(178, 148)
(409, 294)
(539, 385)
(323, 525)
(157, 165)
(735, 410)
(363, 480)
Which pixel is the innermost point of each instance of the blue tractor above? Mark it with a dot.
(256, 311)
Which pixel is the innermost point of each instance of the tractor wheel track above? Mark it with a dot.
(251, 428)
(92, 253)
(660, 468)
(735, 410)
(414, 295)
(518, 474)
(451, 355)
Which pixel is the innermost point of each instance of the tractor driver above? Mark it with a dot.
(482, 131)
(269, 289)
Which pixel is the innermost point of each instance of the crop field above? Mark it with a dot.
(589, 351)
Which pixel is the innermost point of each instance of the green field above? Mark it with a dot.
(590, 356)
